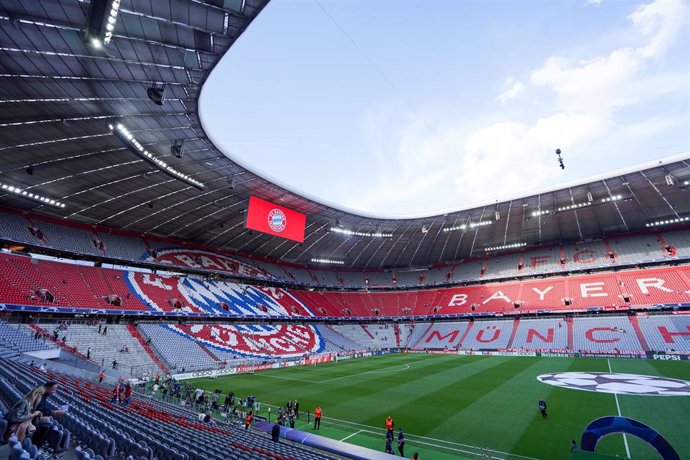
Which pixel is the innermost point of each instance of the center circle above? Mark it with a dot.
(614, 383)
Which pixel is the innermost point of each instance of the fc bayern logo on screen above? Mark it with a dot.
(277, 220)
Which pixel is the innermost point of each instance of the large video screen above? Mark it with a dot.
(267, 217)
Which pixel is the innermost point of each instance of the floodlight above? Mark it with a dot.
(101, 23)
(156, 94)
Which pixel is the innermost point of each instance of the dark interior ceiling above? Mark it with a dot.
(57, 95)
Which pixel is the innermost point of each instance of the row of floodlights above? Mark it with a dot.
(481, 223)
(149, 156)
(102, 23)
(347, 232)
(676, 220)
(31, 195)
(328, 261)
(570, 207)
(505, 246)
(611, 198)
(574, 206)
(112, 19)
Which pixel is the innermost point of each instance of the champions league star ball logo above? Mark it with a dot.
(622, 384)
(277, 220)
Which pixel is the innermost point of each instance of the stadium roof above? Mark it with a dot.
(60, 93)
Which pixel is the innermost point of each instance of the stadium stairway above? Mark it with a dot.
(58, 343)
(208, 352)
(610, 252)
(338, 340)
(188, 330)
(571, 340)
(107, 348)
(421, 336)
(14, 341)
(516, 323)
(178, 351)
(135, 333)
(367, 331)
(466, 333)
(396, 330)
(640, 336)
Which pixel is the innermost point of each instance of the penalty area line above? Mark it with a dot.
(353, 434)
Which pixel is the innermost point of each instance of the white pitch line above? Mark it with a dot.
(372, 371)
(283, 378)
(615, 395)
(348, 437)
(434, 442)
(474, 452)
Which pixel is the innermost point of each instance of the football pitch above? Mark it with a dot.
(453, 406)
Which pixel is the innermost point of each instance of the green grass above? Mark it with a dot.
(446, 403)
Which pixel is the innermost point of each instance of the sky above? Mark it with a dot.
(411, 108)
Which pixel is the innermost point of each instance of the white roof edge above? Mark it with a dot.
(437, 212)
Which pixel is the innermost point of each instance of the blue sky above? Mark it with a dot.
(397, 108)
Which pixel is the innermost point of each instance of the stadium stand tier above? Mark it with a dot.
(144, 429)
(608, 252)
(31, 282)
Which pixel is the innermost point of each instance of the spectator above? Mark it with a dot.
(389, 444)
(105, 330)
(101, 376)
(401, 442)
(88, 353)
(128, 394)
(117, 394)
(248, 420)
(46, 420)
(22, 414)
(43, 367)
(275, 432)
(99, 328)
(228, 401)
(297, 409)
(415, 456)
(114, 364)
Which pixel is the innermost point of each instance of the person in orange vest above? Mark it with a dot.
(389, 424)
(248, 420)
(317, 417)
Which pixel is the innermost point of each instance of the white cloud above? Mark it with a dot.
(660, 21)
(511, 93)
(593, 2)
(578, 104)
